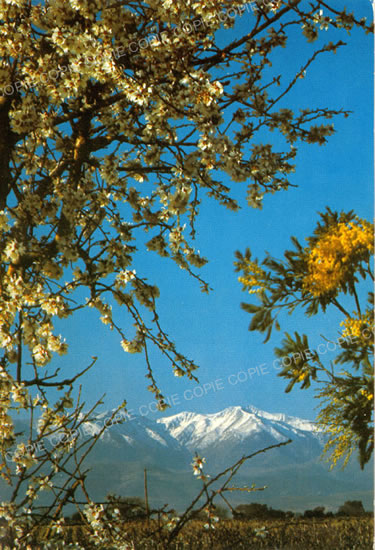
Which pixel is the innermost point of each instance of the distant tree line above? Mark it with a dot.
(134, 508)
(255, 510)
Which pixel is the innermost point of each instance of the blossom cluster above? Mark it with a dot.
(334, 256)
(198, 465)
(253, 278)
(359, 325)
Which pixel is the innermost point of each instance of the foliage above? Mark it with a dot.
(116, 119)
(335, 262)
(317, 512)
(351, 508)
(255, 510)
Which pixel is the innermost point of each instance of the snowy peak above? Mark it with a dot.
(299, 423)
(198, 431)
(234, 425)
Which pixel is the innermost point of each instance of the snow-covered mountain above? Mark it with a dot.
(295, 475)
(133, 439)
(235, 424)
(222, 437)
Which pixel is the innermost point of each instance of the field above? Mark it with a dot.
(295, 534)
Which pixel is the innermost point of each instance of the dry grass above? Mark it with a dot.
(295, 534)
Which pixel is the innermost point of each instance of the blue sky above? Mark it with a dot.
(236, 368)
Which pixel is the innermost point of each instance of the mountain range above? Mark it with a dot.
(295, 475)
